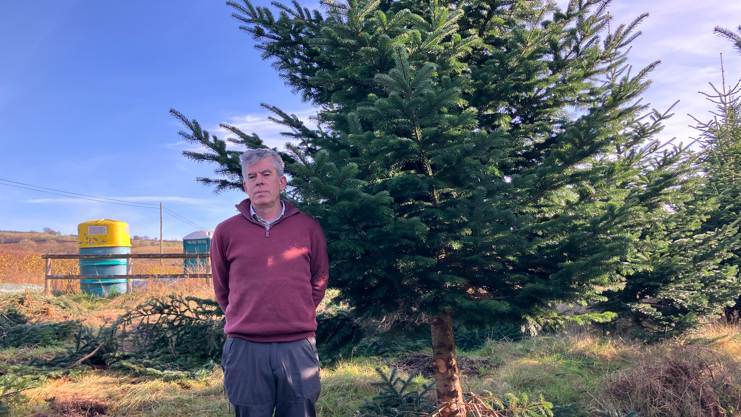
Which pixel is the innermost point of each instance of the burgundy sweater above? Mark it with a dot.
(269, 282)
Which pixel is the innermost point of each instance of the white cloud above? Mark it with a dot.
(680, 34)
(267, 130)
(677, 32)
(185, 146)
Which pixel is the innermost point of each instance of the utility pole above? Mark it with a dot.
(161, 243)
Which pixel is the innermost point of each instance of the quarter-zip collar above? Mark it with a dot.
(254, 214)
(245, 205)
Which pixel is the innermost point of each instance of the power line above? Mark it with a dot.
(179, 217)
(70, 196)
(96, 199)
(183, 219)
(151, 205)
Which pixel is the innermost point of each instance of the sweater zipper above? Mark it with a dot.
(267, 229)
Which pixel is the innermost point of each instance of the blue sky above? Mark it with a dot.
(86, 86)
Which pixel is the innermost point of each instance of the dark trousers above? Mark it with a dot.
(262, 377)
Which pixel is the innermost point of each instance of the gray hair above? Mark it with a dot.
(253, 156)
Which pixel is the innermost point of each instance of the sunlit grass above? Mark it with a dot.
(569, 367)
(565, 368)
(345, 385)
(126, 395)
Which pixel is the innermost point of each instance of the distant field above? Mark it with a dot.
(15, 237)
(21, 262)
(9, 237)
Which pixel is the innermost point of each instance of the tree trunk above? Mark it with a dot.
(445, 364)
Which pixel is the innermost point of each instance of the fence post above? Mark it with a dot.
(47, 272)
(208, 270)
(49, 278)
(129, 287)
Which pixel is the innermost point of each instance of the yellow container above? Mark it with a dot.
(103, 233)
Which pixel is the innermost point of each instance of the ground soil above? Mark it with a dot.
(421, 363)
(73, 407)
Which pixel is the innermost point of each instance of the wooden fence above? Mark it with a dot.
(129, 256)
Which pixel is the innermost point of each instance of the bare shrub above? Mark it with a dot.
(685, 384)
(18, 267)
(27, 245)
(67, 286)
(54, 246)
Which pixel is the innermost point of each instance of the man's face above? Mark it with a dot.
(262, 183)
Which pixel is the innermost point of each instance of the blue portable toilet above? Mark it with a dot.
(197, 242)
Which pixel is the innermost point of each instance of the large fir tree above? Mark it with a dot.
(691, 247)
(687, 280)
(475, 161)
(720, 138)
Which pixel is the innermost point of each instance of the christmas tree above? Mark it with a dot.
(473, 162)
(735, 38)
(690, 249)
(720, 138)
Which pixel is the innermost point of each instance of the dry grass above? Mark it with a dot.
(22, 263)
(195, 287)
(127, 396)
(19, 266)
(115, 307)
(343, 389)
(698, 375)
(694, 376)
(346, 384)
(690, 386)
(564, 367)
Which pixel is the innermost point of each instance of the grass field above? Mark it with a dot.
(697, 375)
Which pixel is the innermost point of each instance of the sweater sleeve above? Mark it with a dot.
(319, 265)
(220, 270)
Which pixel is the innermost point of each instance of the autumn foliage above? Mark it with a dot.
(21, 264)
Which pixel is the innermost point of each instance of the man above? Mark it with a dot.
(270, 272)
